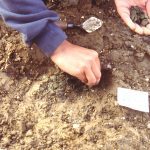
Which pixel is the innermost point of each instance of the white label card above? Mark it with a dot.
(133, 99)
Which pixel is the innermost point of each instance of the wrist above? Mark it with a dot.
(60, 50)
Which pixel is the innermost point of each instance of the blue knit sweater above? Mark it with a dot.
(35, 21)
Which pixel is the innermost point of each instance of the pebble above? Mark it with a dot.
(6, 141)
(17, 97)
(123, 118)
(92, 90)
(22, 142)
(55, 86)
(116, 103)
(13, 132)
(76, 126)
(132, 46)
(29, 125)
(29, 133)
(147, 79)
(114, 69)
(148, 125)
(140, 56)
(101, 146)
(53, 78)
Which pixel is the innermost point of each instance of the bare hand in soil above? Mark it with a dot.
(79, 62)
(123, 8)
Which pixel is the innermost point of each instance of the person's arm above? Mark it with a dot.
(35, 21)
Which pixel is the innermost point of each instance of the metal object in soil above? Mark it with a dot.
(90, 25)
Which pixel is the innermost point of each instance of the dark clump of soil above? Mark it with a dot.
(138, 16)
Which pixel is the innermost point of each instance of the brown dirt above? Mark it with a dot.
(138, 16)
(43, 108)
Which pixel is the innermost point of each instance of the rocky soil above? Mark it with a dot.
(45, 109)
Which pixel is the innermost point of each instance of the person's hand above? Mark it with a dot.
(79, 62)
(123, 7)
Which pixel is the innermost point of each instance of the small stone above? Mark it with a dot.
(114, 69)
(17, 97)
(144, 22)
(116, 103)
(132, 46)
(92, 90)
(13, 132)
(138, 16)
(73, 2)
(6, 141)
(49, 142)
(29, 133)
(53, 78)
(22, 142)
(140, 56)
(114, 10)
(75, 126)
(147, 79)
(148, 125)
(29, 125)
(55, 86)
(123, 118)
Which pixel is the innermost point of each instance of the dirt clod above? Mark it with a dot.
(138, 16)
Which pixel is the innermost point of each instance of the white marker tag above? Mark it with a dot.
(133, 99)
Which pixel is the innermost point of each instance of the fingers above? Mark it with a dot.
(91, 78)
(142, 30)
(148, 12)
(148, 26)
(90, 71)
(139, 29)
(97, 70)
(146, 30)
(124, 12)
(93, 71)
(82, 78)
(148, 7)
(126, 18)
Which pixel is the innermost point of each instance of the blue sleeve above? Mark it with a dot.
(34, 21)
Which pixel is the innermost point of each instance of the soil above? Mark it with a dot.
(45, 109)
(138, 16)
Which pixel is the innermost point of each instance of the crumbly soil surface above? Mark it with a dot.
(43, 108)
(138, 16)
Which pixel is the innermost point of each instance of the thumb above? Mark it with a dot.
(128, 21)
